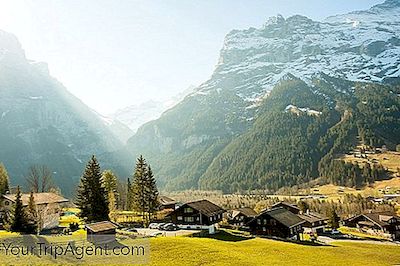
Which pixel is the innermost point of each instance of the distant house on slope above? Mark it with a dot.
(201, 214)
(290, 207)
(277, 222)
(48, 206)
(381, 224)
(166, 203)
(241, 216)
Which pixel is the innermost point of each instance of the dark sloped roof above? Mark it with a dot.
(380, 219)
(249, 212)
(39, 198)
(164, 200)
(205, 207)
(101, 226)
(312, 217)
(284, 216)
(282, 203)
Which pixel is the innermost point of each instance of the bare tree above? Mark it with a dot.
(39, 179)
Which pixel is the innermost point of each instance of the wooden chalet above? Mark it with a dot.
(278, 222)
(381, 224)
(101, 232)
(202, 212)
(241, 216)
(314, 222)
(288, 206)
(48, 204)
(166, 203)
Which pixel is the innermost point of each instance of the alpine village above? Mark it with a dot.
(282, 157)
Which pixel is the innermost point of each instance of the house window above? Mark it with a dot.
(179, 218)
(265, 221)
(188, 210)
(273, 222)
(264, 229)
(259, 221)
(211, 218)
(189, 219)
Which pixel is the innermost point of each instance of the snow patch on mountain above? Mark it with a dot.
(297, 110)
(135, 116)
(359, 46)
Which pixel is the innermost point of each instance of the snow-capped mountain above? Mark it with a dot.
(135, 116)
(359, 46)
(214, 127)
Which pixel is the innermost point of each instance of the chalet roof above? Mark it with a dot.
(249, 212)
(282, 203)
(40, 198)
(101, 226)
(380, 219)
(164, 200)
(284, 216)
(312, 217)
(205, 207)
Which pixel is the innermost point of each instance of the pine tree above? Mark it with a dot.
(333, 219)
(110, 182)
(91, 196)
(4, 180)
(138, 187)
(152, 193)
(32, 216)
(144, 190)
(129, 195)
(17, 220)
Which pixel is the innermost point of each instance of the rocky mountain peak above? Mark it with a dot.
(388, 4)
(10, 48)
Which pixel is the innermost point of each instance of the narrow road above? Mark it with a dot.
(329, 240)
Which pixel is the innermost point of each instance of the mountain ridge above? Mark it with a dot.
(43, 123)
(341, 54)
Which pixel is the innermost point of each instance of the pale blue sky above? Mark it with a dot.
(120, 52)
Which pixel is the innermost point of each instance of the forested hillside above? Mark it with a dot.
(284, 102)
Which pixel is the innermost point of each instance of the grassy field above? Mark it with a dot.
(355, 232)
(257, 251)
(390, 160)
(227, 249)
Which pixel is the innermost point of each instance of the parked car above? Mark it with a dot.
(155, 234)
(335, 232)
(169, 227)
(133, 230)
(160, 225)
(154, 226)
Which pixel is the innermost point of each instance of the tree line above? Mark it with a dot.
(99, 195)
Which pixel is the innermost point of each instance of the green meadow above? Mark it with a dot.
(228, 249)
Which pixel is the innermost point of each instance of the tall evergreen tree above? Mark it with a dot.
(32, 215)
(144, 190)
(91, 196)
(110, 183)
(333, 219)
(129, 195)
(152, 193)
(138, 187)
(17, 220)
(4, 180)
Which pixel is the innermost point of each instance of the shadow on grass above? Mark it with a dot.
(299, 242)
(224, 236)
